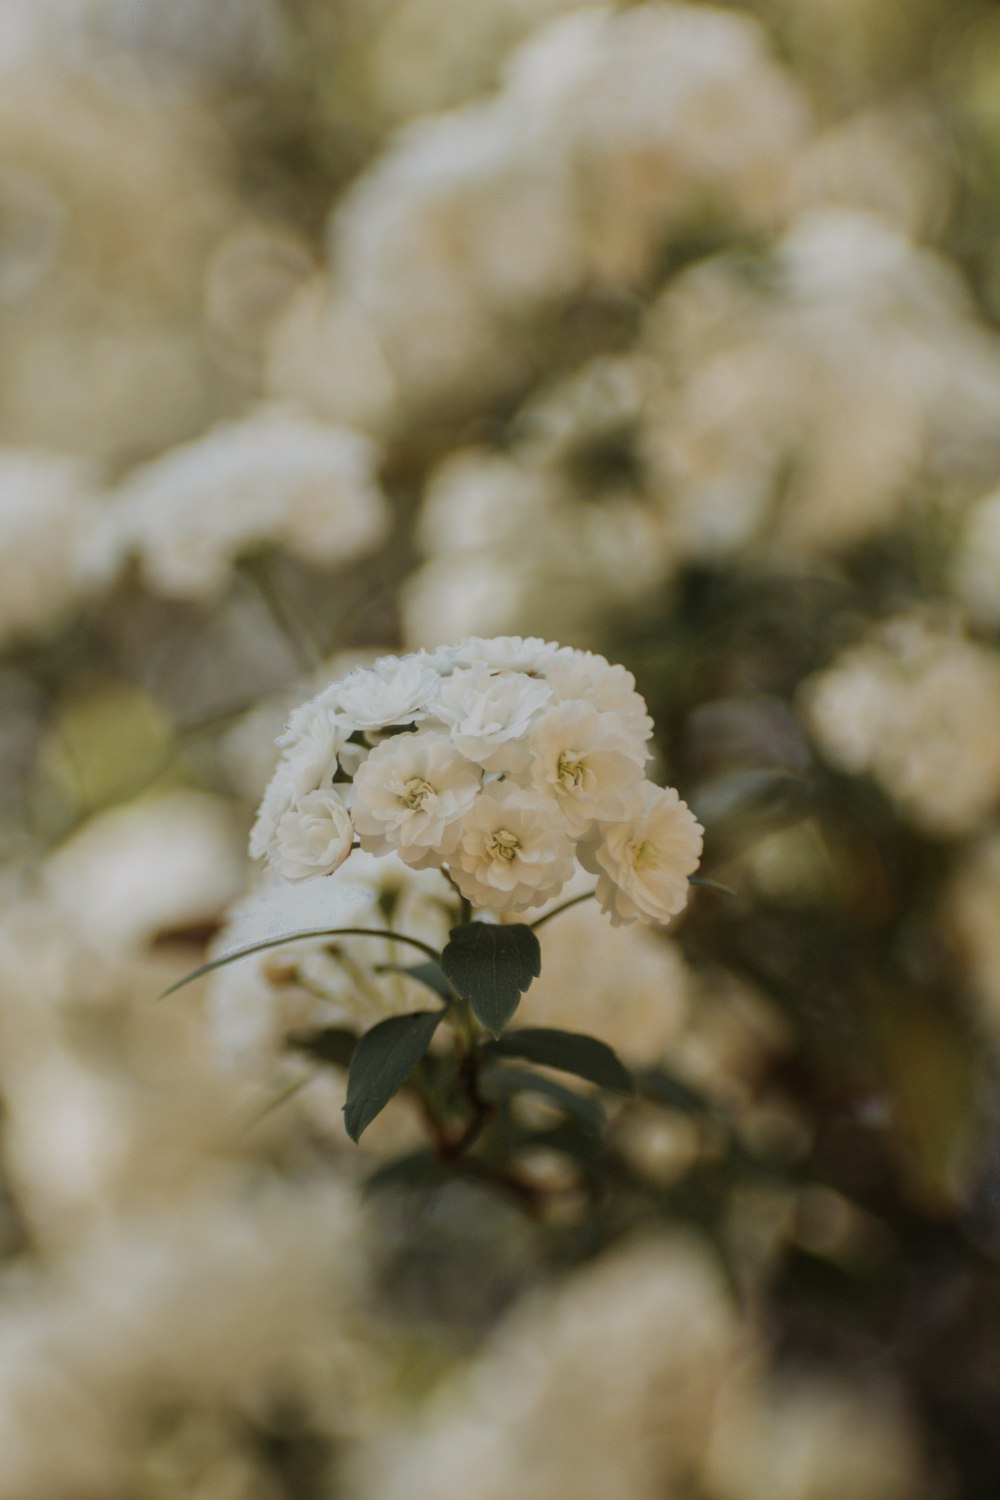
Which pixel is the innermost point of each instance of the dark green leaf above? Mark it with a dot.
(570, 1051)
(502, 1083)
(430, 974)
(417, 1169)
(662, 1088)
(491, 967)
(334, 1045)
(383, 1060)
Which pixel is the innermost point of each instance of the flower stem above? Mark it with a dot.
(565, 906)
(291, 937)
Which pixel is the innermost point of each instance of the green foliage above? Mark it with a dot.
(491, 967)
(663, 1088)
(430, 973)
(570, 1052)
(505, 1083)
(334, 1045)
(382, 1062)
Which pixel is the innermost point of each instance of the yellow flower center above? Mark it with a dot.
(641, 852)
(504, 845)
(569, 770)
(416, 792)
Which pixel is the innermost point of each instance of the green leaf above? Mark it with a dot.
(417, 1169)
(570, 1051)
(383, 1060)
(491, 967)
(503, 1083)
(334, 1045)
(663, 1088)
(430, 974)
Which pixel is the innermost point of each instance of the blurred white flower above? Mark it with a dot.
(574, 479)
(629, 986)
(411, 795)
(631, 1351)
(256, 1003)
(804, 400)
(916, 706)
(813, 1438)
(148, 868)
(643, 863)
(611, 130)
(514, 850)
(312, 838)
(54, 551)
(273, 477)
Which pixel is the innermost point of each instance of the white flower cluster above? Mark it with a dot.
(916, 706)
(610, 132)
(508, 762)
(273, 477)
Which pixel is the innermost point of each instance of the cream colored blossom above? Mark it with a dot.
(855, 329)
(611, 130)
(610, 688)
(314, 742)
(643, 863)
(312, 838)
(488, 715)
(602, 1387)
(916, 706)
(393, 691)
(586, 762)
(273, 477)
(55, 549)
(506, 653)
(315, 746)
(411, 795)
(514, 851)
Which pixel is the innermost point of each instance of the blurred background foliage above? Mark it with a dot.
(332, 327)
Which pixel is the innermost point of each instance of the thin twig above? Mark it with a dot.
(292, 937)
(565, 906)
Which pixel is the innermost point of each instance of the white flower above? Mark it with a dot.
(314, 741)
(488, 715)
(507, 653)
(273, 478)
(411, 794)
(394, 691)
(642, 864)
(586, 761)
(313, 837)
(514, 850)
(313, 749)
(278, 798)
(610, 689)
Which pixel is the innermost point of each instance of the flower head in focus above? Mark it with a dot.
(505, 763)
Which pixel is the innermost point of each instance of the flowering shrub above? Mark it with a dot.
(508, 765)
